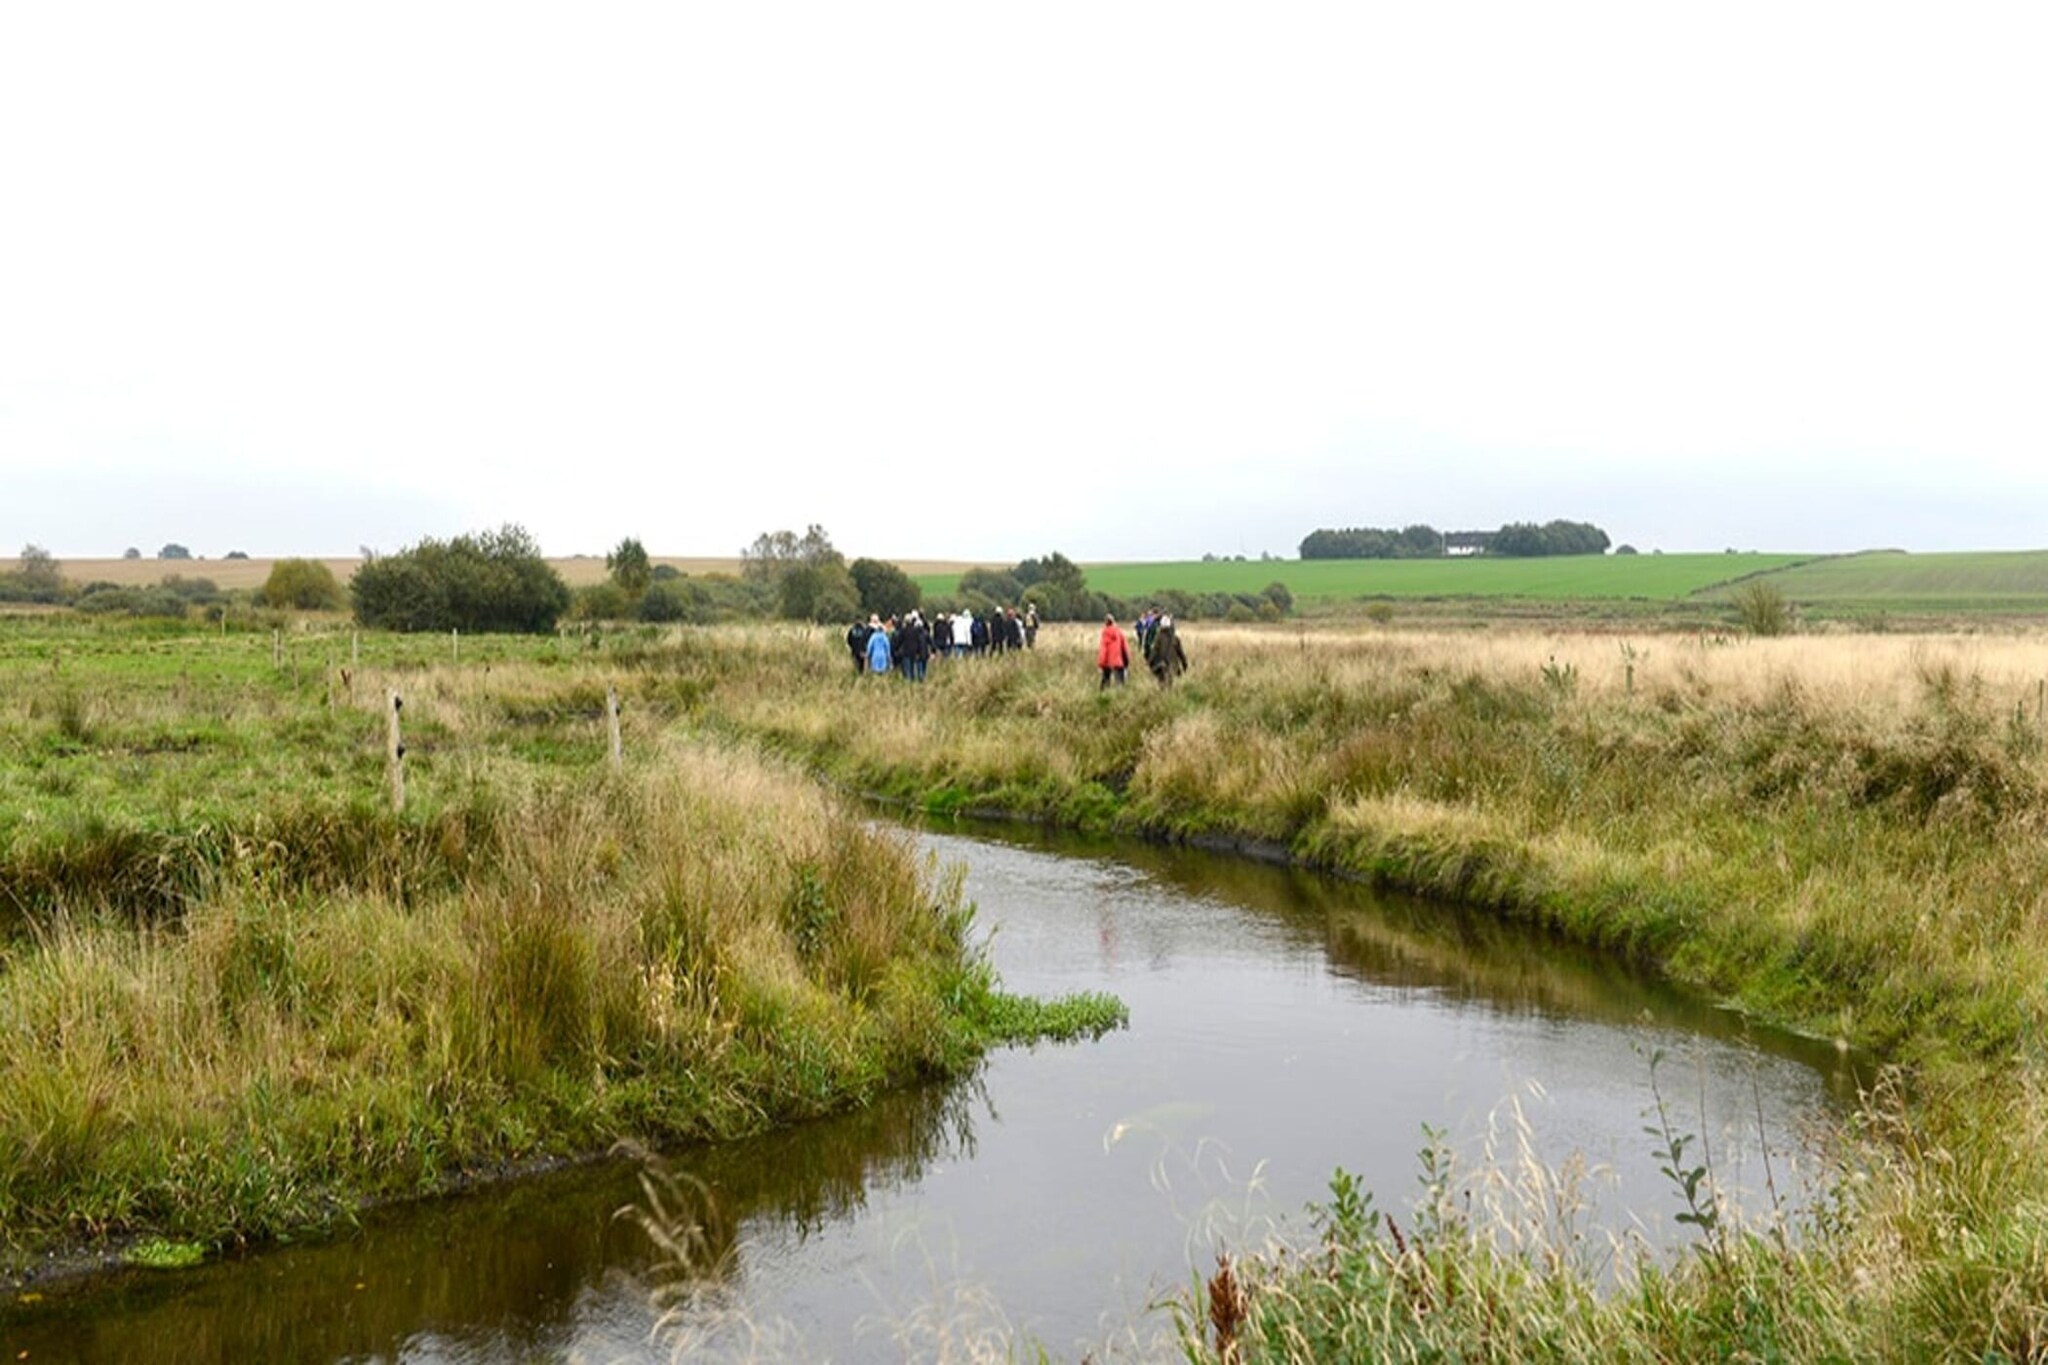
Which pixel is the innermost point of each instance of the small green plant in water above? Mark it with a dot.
(159, 1254)
(1006, 1018)
(1349, 1219)
(1695, 1183)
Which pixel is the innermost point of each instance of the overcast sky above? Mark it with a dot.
(981, 281)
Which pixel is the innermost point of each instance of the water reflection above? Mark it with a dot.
(1394, 942)
(537, 1270)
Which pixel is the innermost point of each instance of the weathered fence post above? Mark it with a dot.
(611, 706)
(455, 645)
(394, 754)
(277, 649)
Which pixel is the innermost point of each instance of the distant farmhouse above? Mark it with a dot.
(1467, 542)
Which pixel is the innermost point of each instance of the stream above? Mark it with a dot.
(1283, 1024)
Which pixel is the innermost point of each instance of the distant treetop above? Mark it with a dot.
(1517, 539)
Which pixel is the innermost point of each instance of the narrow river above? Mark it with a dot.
(1282, 1025)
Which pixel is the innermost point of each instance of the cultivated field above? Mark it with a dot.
(1922, 585)
(1879, 584)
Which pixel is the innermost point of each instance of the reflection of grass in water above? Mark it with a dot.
(702, 1313)
(1501, 1254)
(1496, 1214)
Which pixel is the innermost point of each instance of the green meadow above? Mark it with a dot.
(1869, 585)
(1655, 578)
(1892, 580)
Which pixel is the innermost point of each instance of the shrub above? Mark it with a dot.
(630, 567)
(492, 581)
(304, 585)
(1762, 609)
(605, 601)
(885, 590)
(107, 600)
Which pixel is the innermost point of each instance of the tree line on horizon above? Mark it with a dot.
(1516, 539)
(498, 581)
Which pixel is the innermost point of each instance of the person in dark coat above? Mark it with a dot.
(1165, 656)
(857, 641)
(913, 647)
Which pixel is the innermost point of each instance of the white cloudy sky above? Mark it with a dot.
(977, 280)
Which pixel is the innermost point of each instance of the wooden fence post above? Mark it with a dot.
(454, 645)
(611, 706)
(276, 649)
(394, 754)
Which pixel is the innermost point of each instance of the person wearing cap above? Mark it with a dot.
(1113, 655)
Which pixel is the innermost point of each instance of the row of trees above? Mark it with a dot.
(1373, 542)
(38, 578)
(1528, 540)
(1522, 539)
(497, 581)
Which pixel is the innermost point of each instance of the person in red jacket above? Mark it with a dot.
(1115, 654)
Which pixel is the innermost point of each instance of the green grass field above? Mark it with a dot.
(1658, 578)
(1876, 583)
(1892, 580)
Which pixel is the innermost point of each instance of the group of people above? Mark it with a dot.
(906, 644)
(1158, 643)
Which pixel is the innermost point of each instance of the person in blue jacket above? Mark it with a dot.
(878, 646)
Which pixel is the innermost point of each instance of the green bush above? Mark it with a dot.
(108, 600)
(605, 601)
(495, 581)
(885, 590)
(1763, 609)
(303, 585)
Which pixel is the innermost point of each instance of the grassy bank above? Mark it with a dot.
(240, 996)
(1839, 834)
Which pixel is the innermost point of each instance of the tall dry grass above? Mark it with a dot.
(697, 947)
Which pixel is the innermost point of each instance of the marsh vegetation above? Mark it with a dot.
(240, 995)
(1840, 834)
